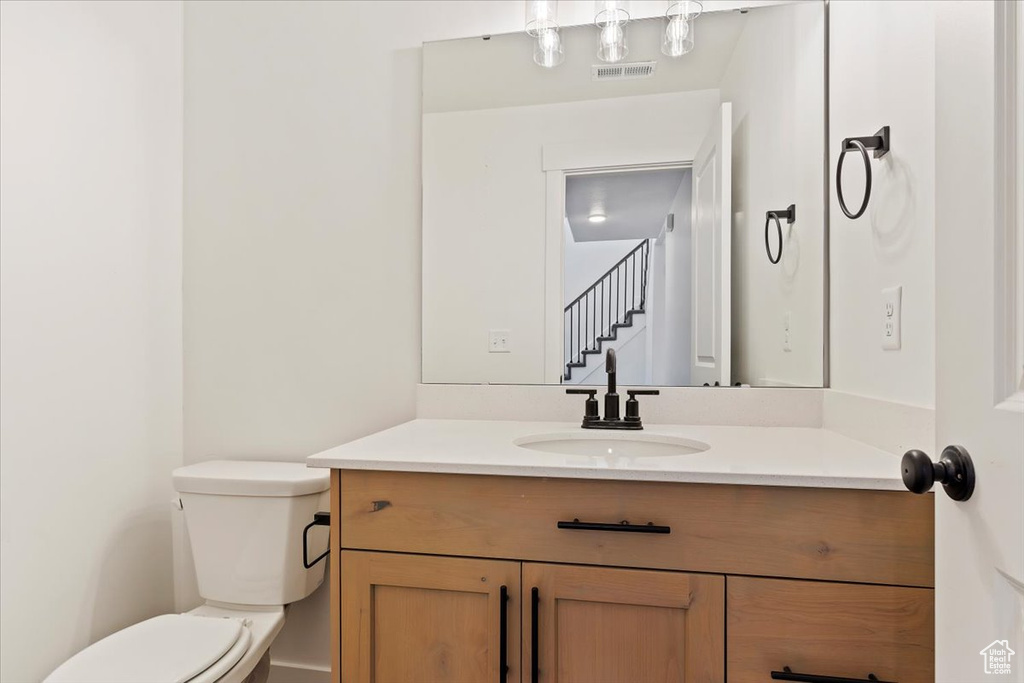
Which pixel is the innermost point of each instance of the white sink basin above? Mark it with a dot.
(611, 444)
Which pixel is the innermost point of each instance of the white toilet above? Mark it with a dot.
(245, 522)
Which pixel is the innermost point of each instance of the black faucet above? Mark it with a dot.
(591, 418)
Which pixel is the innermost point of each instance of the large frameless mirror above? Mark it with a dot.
(670, 208)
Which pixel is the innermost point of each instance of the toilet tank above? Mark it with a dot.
(245, 522)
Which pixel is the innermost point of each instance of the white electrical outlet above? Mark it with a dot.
(787, 323)
(497, 341)
(892, 314)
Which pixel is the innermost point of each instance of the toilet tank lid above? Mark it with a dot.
(251, 478)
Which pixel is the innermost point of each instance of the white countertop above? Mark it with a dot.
(767, 456)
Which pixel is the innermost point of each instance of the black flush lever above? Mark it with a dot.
(319, 519)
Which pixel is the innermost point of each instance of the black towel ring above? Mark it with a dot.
(790, 216)
(879, 143)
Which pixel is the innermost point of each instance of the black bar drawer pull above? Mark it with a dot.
(534, 636)
(788, 674)
(503, 647)
(649, 528)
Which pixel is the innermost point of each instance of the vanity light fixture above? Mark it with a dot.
(611, 17)
(542, 24)
(678, 39)
(597, 218)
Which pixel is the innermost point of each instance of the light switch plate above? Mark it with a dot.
(497, 341)
(892, 315)
(787, 323)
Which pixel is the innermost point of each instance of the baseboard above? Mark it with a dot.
(892, 427)
(290, 672)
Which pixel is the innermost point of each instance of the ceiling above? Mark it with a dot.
(634, 202)
(478, 73)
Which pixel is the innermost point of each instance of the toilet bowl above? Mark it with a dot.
(245, 523)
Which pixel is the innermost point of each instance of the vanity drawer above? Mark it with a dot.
(846, 535)
(828, 629)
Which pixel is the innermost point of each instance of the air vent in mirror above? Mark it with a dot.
(622, 72)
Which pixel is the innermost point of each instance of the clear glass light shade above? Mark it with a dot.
(612, 46)
(611, 16)
(547, 51)
(541, 15)
(611, 12)
(678, 38)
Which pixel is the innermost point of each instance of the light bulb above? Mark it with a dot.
(677, 41)
(678, 38)
(547, 51)
(597, 218)
(612, 47)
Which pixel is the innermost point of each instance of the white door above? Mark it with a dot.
(979, 543)
(711, 250)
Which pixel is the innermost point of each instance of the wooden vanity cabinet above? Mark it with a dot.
(622, 625)
(421, 618)
(749, 580)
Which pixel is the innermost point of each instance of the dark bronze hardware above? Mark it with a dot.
(534, 637)
(789, 215)
(590, 414)
(954, 470)
(591, 418)
(788, 674)
(503, 647)
(624, 525)
(879, 143)
(633, 406)
(319, 519)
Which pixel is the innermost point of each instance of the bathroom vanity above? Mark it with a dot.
(462, 553)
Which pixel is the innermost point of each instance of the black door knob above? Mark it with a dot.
(954, 470)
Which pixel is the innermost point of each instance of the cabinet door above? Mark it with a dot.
(411, 618)
(587, 624)
(816, 628)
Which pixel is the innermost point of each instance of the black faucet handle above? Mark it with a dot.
(633, 406)
(590, 414)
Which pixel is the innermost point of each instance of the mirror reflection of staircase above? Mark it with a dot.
(609, 305)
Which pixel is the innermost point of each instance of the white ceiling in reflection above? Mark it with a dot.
(635, 203)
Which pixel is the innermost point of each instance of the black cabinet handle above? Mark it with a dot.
(534, 636)
(503, 647)
(649, 528)
(788, 674)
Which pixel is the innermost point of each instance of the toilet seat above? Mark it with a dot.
(171, 648)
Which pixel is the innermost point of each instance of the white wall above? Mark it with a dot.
(302, 223)
(672, 356)
(882, 72)
(775, 83)
(90, 321)
(585, 262)
(484, 222)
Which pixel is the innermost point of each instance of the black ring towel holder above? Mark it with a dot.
(790, 217)
(879, 144)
